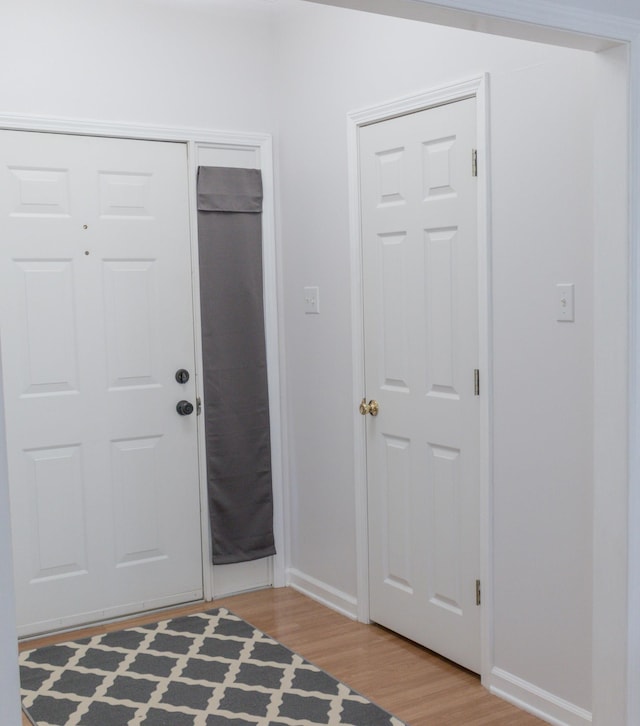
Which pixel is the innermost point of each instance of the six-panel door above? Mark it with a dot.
(419, 240)
(96, 318)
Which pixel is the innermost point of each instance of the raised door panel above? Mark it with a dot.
(396, 533)
(445, 564)
(45, 304)
(136, 478)
(132, 327)
(440, 313)
(58, 522)
(394, 332)
(38, 192)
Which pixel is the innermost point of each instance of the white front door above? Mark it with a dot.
(419, 238)
(95, 319)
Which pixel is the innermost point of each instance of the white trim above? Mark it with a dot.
(485, 358)
(536, 700)
(272, 331)
(549, 15)
(358, 381)
(613, 485)
(323, 593)
(409, 104)
(541, 21)
(194, 138)
(88, 127)
(633, 561)
(475, 87)
(207, 572)
(276, 350)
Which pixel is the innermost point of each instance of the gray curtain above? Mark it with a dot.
(238, 446)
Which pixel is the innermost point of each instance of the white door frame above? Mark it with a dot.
(475, 87)
(193, 138)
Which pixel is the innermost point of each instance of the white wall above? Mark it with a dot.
(543, 375)
(622, 8)
(542, 108)
(137, 61)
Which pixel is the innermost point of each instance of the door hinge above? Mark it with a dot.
(476, 382)
(198, 405)
(474, 162)
(478, 593)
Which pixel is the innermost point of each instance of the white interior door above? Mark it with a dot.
(96, 318)
(419, 237)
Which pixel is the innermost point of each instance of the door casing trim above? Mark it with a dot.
(192, 137)
(478, 88)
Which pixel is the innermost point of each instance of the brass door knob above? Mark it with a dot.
(372, 408)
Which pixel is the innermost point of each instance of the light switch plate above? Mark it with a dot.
(565, 300)
(311, 300)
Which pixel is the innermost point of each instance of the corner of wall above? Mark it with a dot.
(535, 700)
(323, 593)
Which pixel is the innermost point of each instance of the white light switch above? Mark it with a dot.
(311, 300)
(565, 302)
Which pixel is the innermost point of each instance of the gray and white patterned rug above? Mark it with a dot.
(207, 669)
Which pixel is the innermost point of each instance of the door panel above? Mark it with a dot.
(96, 316)
(421, 345)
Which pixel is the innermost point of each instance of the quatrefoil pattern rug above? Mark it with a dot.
(207, 669)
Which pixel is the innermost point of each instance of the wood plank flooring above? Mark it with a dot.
(416, 685)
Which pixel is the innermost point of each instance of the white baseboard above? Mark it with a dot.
(323, 593)
(535, 700)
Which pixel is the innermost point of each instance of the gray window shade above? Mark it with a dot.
(238, 444)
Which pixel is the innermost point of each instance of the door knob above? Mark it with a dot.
(372, 408)
(184, 408)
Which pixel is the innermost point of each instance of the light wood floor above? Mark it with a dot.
(414, 684)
